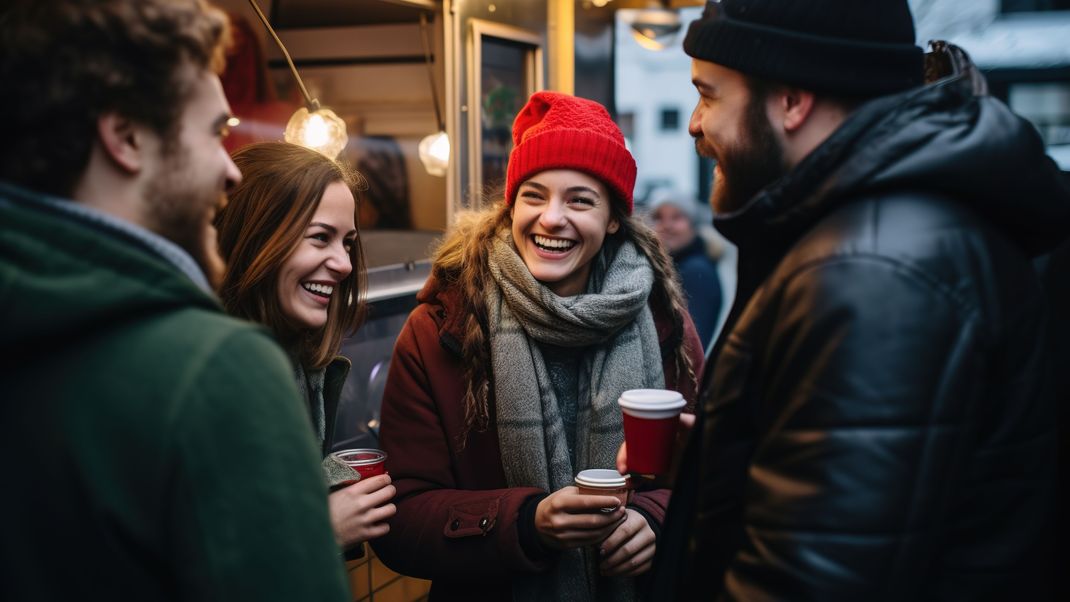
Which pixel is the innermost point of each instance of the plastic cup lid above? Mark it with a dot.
(651, 399)
(360, 457)
(602, 478)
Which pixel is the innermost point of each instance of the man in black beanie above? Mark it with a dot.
(876, 420)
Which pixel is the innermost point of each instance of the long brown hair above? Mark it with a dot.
(260, 228)
(462, 261)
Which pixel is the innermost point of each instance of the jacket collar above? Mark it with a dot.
(106, 222)
(697, 246)
(334, 378)
(448, 312)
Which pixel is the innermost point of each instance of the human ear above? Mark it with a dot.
(122, 141)
(794, 106)
(613, 226)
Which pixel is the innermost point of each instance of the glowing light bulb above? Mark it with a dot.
(440, 148)
(321, 131)
(315, 134)
(434, 151)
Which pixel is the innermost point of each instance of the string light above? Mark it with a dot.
(434, 150)
(311, 126)
(319, 130)
(434, 153)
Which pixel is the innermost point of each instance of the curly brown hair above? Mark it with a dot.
(461, 261)
(67, 62)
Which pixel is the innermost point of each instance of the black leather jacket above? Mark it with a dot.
(876, 420)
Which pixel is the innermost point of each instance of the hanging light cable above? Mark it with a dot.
(434, 150)
(311, 126)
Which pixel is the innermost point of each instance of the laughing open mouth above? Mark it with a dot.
(553, 245)
(320, 290)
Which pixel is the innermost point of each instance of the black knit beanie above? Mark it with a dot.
(858, 48)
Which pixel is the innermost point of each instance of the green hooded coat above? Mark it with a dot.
(154, 448)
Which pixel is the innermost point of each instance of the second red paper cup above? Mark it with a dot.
(650, 422)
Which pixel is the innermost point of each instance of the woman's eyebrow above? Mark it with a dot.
(541, 187)
(586, 189)
(324, 226)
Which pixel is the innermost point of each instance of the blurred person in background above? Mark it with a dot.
(295, 264)
(694, 256)
(156, 447)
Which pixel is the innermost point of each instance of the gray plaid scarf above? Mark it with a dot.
(612, 317)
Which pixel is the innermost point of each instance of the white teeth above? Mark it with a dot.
(322, 289)
(554, 243)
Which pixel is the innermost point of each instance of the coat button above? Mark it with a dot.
(456, 524)
(483, 523)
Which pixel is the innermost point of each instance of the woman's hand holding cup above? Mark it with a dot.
(359, 511)
(629, 550)
(568, 519)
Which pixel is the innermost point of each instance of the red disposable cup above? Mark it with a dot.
(367, 462)
(651, 417)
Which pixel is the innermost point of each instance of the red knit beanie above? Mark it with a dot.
(558, 131)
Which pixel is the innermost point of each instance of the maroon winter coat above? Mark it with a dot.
(457, 520)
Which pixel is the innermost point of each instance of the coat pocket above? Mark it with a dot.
(471, 518)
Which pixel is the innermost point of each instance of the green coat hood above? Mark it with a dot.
(59, 277)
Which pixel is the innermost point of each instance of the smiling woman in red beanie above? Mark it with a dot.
(504, 382)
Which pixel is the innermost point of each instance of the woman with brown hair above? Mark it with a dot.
(538, 314)
(295, 264)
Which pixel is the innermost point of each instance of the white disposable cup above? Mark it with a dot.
(603, 481)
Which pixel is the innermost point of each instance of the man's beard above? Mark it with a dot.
(748, 166)
(183, 213)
